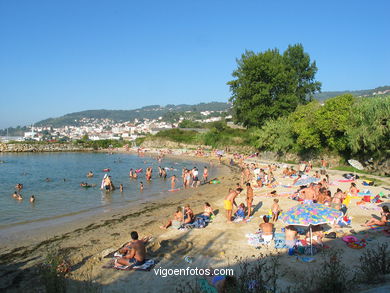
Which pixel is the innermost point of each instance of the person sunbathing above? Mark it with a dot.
(385, 218)
(188, 215)
(177, 220)
(134, 251)
(208, 211)
(267, 229)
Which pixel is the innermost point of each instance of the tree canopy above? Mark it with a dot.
(268, 85)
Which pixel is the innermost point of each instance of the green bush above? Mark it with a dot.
(179, 135)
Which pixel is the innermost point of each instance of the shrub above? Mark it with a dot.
(330, 278)
(374, 264)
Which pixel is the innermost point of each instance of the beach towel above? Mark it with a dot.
(280, 241)
(255, 239)
(147, 266)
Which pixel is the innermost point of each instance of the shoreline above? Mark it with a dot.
(11, 233)
(32, 247)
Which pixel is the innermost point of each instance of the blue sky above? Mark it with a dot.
(58, 57)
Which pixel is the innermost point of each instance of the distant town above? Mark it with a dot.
(101, 129)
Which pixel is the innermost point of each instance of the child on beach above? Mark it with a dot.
(205, 174)
(275, 210)
(240, 213)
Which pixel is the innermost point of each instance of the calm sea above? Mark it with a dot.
(62, 194)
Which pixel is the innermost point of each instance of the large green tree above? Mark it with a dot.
(269, 85)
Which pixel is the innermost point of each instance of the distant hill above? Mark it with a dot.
(150, 112)
(360, 93)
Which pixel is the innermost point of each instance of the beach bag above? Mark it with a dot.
(308, 250)
(331, 235)
(199, 223)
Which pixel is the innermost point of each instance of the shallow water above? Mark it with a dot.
(62, 195)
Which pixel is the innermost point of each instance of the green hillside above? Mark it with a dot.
(149, 112)
(370, 92)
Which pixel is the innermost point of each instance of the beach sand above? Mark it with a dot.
(87, 243)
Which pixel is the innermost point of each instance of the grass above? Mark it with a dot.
(349, 169)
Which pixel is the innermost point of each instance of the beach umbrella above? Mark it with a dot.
(356, 164)
(306, 181)
(310, 214)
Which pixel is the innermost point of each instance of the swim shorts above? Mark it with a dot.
(227, 205)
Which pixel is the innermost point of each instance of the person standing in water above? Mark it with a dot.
(173, 182)
(205, 174)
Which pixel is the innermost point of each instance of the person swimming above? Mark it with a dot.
(32, 199)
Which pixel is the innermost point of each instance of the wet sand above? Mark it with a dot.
(86, 243)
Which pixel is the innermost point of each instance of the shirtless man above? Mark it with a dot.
(249, 198)
(134, 252)
(230, 201)
(291, 236)
(267, 228)
(309, 194)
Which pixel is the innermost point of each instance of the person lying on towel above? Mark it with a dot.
(134, 252)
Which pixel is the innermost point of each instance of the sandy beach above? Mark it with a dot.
(87, 243)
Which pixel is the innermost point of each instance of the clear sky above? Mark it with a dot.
(58, 57)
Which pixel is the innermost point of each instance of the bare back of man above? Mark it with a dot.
(135, 254)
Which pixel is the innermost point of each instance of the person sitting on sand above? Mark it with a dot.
(267, 229)
(291, 236)
(134, 251)
(240, 213)
(337, 199)
(384, 220)
(230, 201)
(188, 214)
(208, 211)
(177, 220)
(275, 210)
(328, 198)
(353, 189)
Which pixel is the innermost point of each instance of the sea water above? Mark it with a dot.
(54, 179)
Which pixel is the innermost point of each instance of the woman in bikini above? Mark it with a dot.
(385, 217)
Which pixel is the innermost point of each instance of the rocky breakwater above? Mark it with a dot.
(41, 147)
